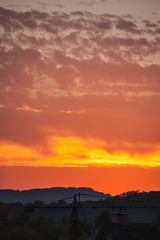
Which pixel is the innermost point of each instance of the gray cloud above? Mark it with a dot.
(128, 26)
(157, 30)
(150, 24)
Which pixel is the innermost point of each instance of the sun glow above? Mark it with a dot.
(75, 152)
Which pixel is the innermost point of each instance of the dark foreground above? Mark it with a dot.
(128, 232)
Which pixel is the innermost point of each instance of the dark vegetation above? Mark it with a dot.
(129, 232)
(137, 195)
(16, 224)
(56, 223)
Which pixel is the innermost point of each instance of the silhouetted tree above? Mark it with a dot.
(103, 217)
(38, 203)
(86, 227)
(156, 218)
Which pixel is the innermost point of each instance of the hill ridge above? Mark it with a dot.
(47, 194)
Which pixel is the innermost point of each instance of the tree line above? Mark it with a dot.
(16, 224)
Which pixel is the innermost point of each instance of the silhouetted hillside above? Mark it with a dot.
(48, 194)
(142, 196)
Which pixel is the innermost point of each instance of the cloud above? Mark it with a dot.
(27, 108)
(73, 152)
(127, 26)
(89, 3)
(70, 32)
(157, 30)
(104, 25)
(80, 111)
(18, 65)
(58, 5)
(80, 75)
(150, 24)
(115, 120)
(43, 4)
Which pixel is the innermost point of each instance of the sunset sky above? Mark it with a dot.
(80, 94)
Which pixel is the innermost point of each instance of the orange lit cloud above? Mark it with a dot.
(18, 155)
(27, 108)
(73, 152)
(1, 105)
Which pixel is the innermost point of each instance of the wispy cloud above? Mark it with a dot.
(27, 108)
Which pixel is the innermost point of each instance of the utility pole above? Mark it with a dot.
(74, 219)
(109, 203)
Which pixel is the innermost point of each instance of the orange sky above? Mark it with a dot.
(113, 180)
(79, 95)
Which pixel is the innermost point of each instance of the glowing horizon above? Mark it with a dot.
(74, 152)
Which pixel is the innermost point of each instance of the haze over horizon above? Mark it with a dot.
(80, 94)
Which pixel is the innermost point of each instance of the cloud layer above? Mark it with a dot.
(79, 75)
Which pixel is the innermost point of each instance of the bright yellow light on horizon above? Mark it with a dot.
(73, 152)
